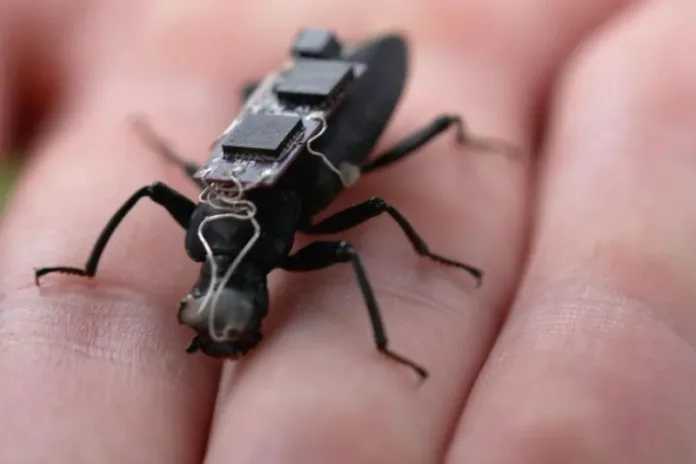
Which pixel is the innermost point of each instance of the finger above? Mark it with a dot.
(104, 359)
(98, 369)
(34, 65)
(596, 363)
(316, 390)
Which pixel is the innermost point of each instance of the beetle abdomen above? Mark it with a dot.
(356, 126)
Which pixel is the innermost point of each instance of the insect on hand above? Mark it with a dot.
(303, 135)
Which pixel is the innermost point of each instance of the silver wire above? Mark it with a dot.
(225, 279)
(344, 176)
(230, 201)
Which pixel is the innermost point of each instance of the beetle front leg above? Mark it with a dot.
(426, 134)
(320, 255)
(361, 212)
(178, 206)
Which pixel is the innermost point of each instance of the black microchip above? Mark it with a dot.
(316, 43)
(311, 82)
(263, 134)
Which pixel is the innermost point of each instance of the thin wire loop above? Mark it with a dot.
(230, 201)
(347, 177)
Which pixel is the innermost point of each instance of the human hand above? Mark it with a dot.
(577, 348)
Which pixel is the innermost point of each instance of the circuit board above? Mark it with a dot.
(285, 113)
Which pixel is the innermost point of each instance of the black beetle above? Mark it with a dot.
(303, 135)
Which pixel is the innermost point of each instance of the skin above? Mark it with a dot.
(579, 347)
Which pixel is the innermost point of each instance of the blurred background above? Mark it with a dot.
(8, 172)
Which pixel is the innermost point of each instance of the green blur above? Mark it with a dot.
(8, 174)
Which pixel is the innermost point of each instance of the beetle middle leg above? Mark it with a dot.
(426, 134)
(178, 206)
(361, 212)
(320, 255)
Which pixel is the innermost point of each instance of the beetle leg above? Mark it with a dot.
(361, 212)
(422, 136)
(416, 140)
(320, 255)
(162, 148)
(178, 206)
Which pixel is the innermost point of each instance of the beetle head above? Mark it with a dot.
(233, 310)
